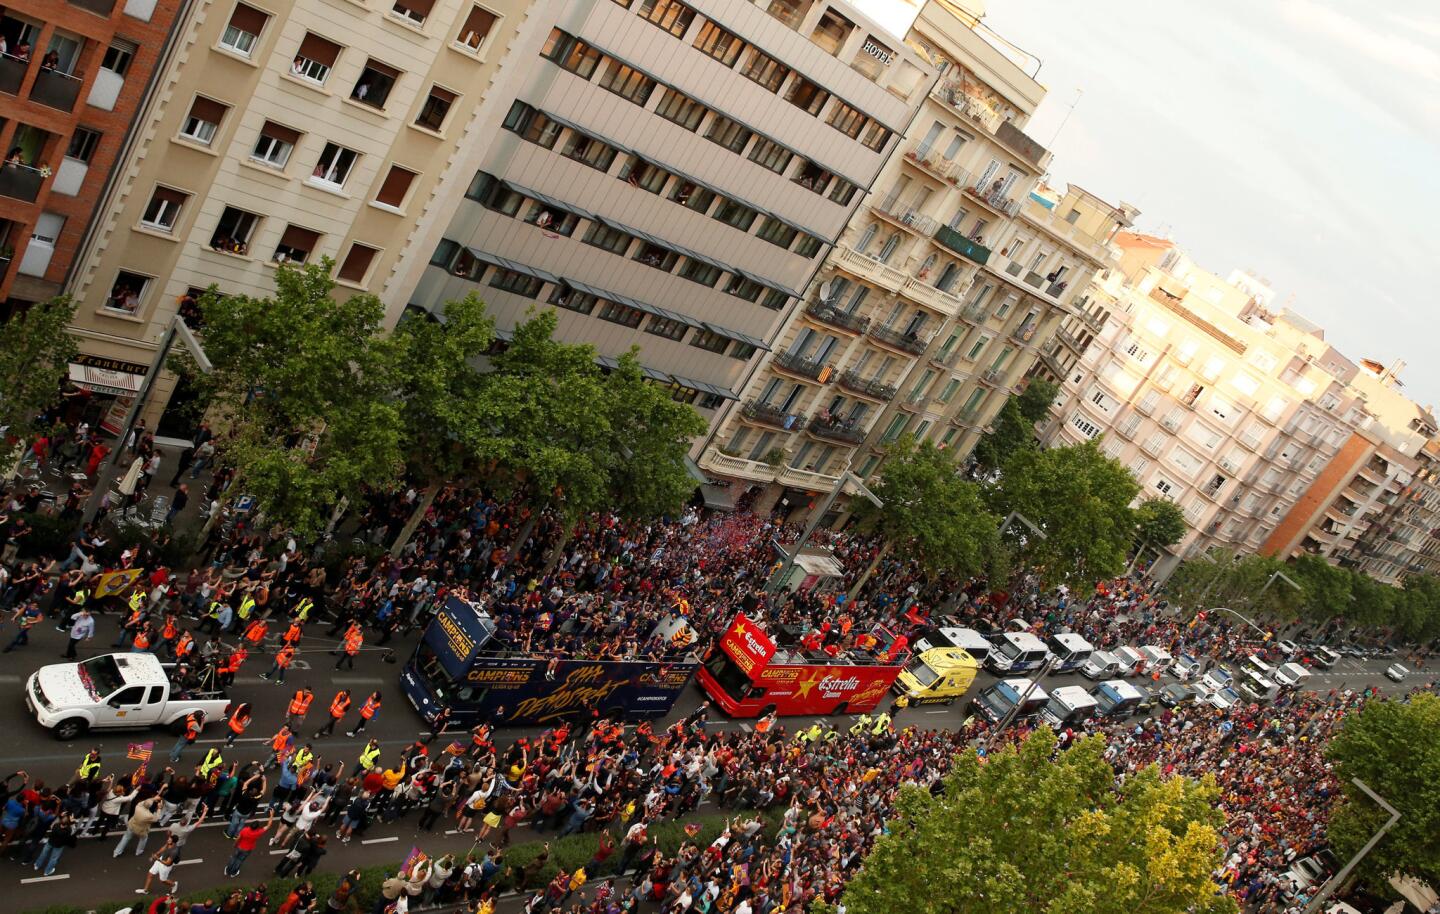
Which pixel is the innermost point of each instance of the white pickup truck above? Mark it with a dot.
(114, 691)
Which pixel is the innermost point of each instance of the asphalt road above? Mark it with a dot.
(88, 874)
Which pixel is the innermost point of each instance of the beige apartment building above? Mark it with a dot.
(934, 301)
(280, 131)
(1266, 436)
(668, 176)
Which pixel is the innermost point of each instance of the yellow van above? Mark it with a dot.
(937, 676)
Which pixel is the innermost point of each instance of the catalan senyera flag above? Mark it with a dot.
(141, 752)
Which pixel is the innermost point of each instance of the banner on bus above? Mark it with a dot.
(457, 634)
(747, 645)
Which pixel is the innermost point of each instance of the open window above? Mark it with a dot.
(296, 245)
(315, 59)
(374, 85)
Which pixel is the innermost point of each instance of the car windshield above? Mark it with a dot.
(1230, 696)
(923, 673)
(100, 676)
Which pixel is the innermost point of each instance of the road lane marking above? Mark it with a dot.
(54, 878)
(356, 680)
(7, 679)
(381, 840)
(746, 727)
(938, 712)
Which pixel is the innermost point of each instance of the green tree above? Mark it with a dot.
(36, 349)
(1159, 522)
(1328, 590)
(1418, 608)
(1394, 747)
(304, 388)
(437, 386)
(1031, 831)
(1081, 500)
(1014, 426)
(1227, 579)
(929, 514)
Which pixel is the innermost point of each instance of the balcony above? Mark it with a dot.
(928, 295)
(790, 12)
(834, 428)
(12, 73)
(870, 268)
(766, 414)
(995, 377)
(895, 339)
(1015, 272)
(1025, 334)
(20, 182)
(1128, 430)
(799, 366)
(970, 250)
(952, 93)
(834, 317)
(993, 199)
(808, 479)
(738, 467)
(1068, 232)
(98, 7)
(906, 218)
(54, 89)
(867, 387)
(929, 161)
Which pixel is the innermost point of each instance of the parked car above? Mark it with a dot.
(1176, 694)
(1215, 680)
(1397, 672)
(1287, 647)
(1223, 699)
(1185, 668)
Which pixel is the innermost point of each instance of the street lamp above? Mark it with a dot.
(1034, 684)
(778, 578)
(1226, 609)
(1016, 515)
(106, 473)
(1339, 878)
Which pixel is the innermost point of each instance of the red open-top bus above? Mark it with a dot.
(747, 674)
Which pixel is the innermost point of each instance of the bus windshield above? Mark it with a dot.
(447, 691)
(923, 673)
(729, 677)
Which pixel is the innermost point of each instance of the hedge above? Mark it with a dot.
(567, 853)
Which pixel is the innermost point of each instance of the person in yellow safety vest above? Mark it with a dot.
(810, 735)
(861, 725)
(369, 756)
(247, 603)
(303, 757)
(882, 723)
(831, 734)
(89, 766)
(213, 760)
(302, 609)
(137, 600)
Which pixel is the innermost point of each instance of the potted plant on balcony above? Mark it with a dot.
(775, 457)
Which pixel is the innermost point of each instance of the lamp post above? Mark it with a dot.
(1034, 684)
(1016, 515)
(778, 578)
(1334, 882)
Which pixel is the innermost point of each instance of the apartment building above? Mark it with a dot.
(280, 131)
(668, 176)
(934, 301)
(1403, 540)
(72, 76)
(1269, 438)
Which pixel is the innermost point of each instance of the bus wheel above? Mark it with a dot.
(842, 708)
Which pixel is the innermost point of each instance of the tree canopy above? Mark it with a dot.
(1033, 831)
(1394, 748)
(1080, 499)
(1014, 427)
(1159, 522)
(931, 514)
(34, 359)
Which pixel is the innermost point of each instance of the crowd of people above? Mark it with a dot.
(803, 807)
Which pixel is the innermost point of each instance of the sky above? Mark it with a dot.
(1298, 139)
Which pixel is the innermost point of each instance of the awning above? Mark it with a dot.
(694, 470)
(720, 498)
(551, 201)
(105, 380)
(514, 267)
(737, 335)
(609, 364)
(703, 387)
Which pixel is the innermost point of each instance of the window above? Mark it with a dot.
(478, 25)
(274, 145)
(203, 120)
(447, 254)
(950, 387)
(395, 186)
(571, 53)
(728, 133)
(875, 137)
(234, 231)
(413, 11)
(627, 82)
(118, 57)
(82, 144)
(841, 192)
(127, 292)
(334, 165)
(977, 347)
(719, 44)
(693, 196)
(624, 315)
(849, 121)
(437, 106)
(654, 255)
(589, 151)
(680, 109)
(296, 245)
(741, 287)
(670, 15)
(1073, 216)
(699, 271)
(774, 299)
(374, 85)
(164, 208)
(502, 198)
(777, 232)
(315, 58)
(1163, 485)
(572, 300)
(771, 155)
(1086, 428)
(809, 246)
(606, 238)
(357, 263)
(246, 24)
(765, 70)
(666, 327)
(552, 219)
(710, 341)
(807, 96)
(742, 352)
(516, 282)
(736, 214)
(532, 125)
(813, 178)
(644, 175)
